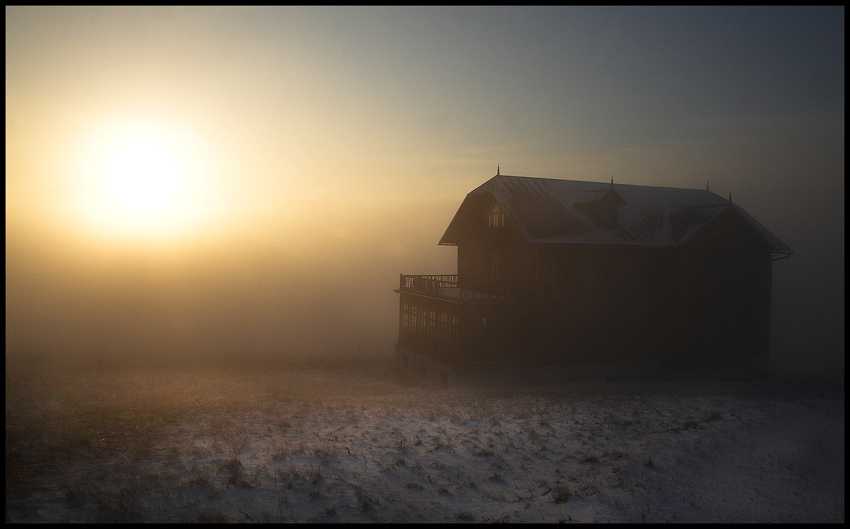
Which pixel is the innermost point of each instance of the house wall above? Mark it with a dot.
(496, 260)
(724, 295)
(706, 304)
(501, 267)
(604, 304)
(496, 332)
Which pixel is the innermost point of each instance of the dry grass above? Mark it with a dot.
(167, 445)
(61, 418)
(55, 415)
(58, 415)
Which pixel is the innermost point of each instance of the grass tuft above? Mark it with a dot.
(561, 493)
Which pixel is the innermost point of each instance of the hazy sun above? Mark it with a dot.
(143, 177)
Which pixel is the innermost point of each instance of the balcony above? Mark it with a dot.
(442, 287)
(454, 325)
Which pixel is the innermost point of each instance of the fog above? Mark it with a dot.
(319, 286)
(335, 145)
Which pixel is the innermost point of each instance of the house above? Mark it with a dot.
(563, 280)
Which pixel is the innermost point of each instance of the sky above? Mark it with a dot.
(321, 151)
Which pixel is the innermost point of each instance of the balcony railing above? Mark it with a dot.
(440, 286)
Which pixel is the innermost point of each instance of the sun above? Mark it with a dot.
(143, 177)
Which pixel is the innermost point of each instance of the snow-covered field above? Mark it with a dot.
(312, 445)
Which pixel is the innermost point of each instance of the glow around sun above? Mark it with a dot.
(144, 177)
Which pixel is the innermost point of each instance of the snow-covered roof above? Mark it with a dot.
(550, 211)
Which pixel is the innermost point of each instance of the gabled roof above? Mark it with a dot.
(549, 211)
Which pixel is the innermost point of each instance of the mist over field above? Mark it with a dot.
(323, 151)
(317, 286)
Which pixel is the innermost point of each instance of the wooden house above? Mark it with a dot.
(561, 280)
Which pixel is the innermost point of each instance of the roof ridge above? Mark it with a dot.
(616, 184)
(550, 211)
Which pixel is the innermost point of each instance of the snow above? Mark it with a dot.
(334, 446)
(644, 216)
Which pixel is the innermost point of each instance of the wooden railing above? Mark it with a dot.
(447, 280)
(440, 286)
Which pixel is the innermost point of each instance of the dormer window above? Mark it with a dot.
(603, 209)
(497, 217)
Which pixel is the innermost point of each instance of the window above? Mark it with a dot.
(497, 217)
(453, 329)
(405, 316)
(443, 330)
(447, 329)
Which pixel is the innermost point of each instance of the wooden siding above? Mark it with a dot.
(506, 269)
(602, 305)
(724, 294)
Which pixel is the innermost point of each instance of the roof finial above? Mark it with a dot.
(612, 183)
(706, 185)
(497, 169)
(730, 197)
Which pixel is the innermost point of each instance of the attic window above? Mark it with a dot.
(497, 217)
